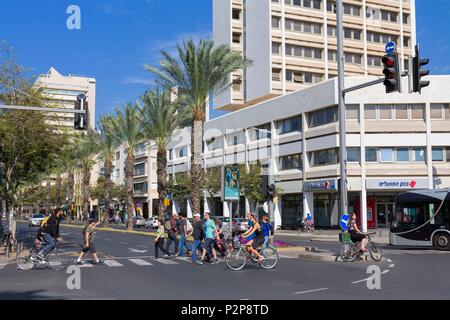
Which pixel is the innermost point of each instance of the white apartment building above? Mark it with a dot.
(293, 42)
(395, 142)
(62, 91)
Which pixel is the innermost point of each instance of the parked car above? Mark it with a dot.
(152, 223)
(139, 222)
(240, 224)
(35, 220)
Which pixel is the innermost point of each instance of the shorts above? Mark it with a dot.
(257, 242)
(91, 249)
(208, 244)
(356, 237)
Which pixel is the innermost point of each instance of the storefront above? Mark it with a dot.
(291, 209)
(325, 201)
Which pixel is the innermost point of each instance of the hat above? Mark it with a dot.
(197, 215)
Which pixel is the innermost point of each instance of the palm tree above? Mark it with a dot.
(160, 119)
(127, 128)
(87, 148)
(107, 147)
(205, 70)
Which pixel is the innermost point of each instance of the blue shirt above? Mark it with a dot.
(209, 229)
(250, 224)
(265, 227)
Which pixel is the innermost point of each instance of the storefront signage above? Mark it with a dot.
(321, 185)
(396, 184)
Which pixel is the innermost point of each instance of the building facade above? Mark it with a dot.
(292, 43)
(395, 142)
(62, 91)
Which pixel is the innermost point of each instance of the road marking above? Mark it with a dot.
(310, 291)
(363, 280)
(137, 251)
(123, 242)
(165, 261)
(385, 271)
(141, 262)
(391, 265)
(141, 246)
(107, 239)
(112, 263)
(183, 258)
(286, 257)
(2, 265)
(86, 265)
(389, 260)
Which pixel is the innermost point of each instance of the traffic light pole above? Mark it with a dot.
(41, 109)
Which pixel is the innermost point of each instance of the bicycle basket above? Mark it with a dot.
(344, 237)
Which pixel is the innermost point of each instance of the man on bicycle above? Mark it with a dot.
(49, 232)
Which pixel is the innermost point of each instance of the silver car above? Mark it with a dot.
(35, 220)
(139, 222)
(240, 224)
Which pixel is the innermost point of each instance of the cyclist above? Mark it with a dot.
(257, 237)
(49, 232)
(355, 234)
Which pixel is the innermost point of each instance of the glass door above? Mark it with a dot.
(381, 214)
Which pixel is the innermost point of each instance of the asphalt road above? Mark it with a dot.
(132, 273)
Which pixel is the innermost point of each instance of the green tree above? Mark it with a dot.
(180, 187)
(160, 119)
(212, 183)
(251, 182)
(127, 128)
(199, 71)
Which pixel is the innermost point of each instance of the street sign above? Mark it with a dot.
(344, 222)
(391, 47)
(231, 183)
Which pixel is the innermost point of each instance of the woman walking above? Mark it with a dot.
(159, 240)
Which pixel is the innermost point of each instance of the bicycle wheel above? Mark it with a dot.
(236, 259)
(270, 258)
(56, 260)
(347, 252)
(25, 263)
(375, 252)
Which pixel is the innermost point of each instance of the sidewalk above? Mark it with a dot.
(381, 236)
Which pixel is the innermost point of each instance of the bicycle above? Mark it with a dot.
(350, 252)
(304, 226)
(237, 256)
(52, 260)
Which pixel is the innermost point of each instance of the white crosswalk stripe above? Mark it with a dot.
(112, 263)
(140, 262)
(2, 265)
(165, 261)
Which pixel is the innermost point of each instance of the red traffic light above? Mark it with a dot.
(388, 61)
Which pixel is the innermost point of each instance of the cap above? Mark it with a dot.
(197, 215)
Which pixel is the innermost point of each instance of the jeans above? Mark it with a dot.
(49, 244)
(183, 244)
(172, 237)
(266, 242)
(160, 245)
(196, 246)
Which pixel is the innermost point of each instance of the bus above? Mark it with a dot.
(421, 218)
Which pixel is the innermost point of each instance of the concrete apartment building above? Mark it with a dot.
(396, 142)
(293, 42)
(62, 91)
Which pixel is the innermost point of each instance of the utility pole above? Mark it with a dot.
(341, 106)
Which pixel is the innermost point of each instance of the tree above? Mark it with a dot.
(212, 183)
(251, 182)
(180, 187)
(86, 149)
(203, 70)
(127, 128)
(68, 164)
(160, 119)
(117, 193)
(107, 147)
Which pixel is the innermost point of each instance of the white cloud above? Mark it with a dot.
(137, 80)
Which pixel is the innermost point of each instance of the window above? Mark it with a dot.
(212, 144)
(276, 74)
(139, 169)
(353, 155)
(290, 162)
(401, 112)
(448, 154)
(171, 154)
(374, 61)
(370, 112)
(417, 112)
(276, 48)
(352, 112)
(353, 58)
(419, 154)
(402, 154)
(406, 41)
(352, 10)
(236, 38)
(380, 37)
(331, 31)
(260, 132)
(290, 125)
(310, 4)
(305, 52)
(236, 14)
(302, 26)
(385, 113)
(322, 117)
(117, 173)
(386, 155)
(351, 34)
(406, 18)
(371, 155)
(332, 55)
(141, 187)
(140, 149)
(182, 152)
(440, 111)
(324, 157)
(276, 22)
(438, 154)
(388, 16)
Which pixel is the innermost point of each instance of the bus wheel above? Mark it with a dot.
(441, 241)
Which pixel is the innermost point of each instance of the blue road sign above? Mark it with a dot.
(391, 47)
(344, 222)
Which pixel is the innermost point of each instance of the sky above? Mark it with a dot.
(117, 37)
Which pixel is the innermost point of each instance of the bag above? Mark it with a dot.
(45, 221)
(189, 227)
(167, 225)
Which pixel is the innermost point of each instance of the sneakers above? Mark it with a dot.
(97, 262)
(215, 261)
(40, 256)
(177, 254)
(200, 262)
(261, 259)
(79, 263)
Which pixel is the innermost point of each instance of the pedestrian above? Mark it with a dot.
(87, 246)
(198, 236)
(265, 227)
(159, 240)
(172, 233)
(218, 243)
(186, 230)
(210, 235)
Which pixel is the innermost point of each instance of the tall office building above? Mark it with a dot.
(293, 42)
(62, 91)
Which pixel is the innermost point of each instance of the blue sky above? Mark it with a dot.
(118, 37)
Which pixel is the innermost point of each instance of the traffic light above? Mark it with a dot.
(392, 73)
(418, 73)
(271, 191)
(81, 119)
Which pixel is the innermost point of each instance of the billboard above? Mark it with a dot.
(231, 183)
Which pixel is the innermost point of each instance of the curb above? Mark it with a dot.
(318, 257)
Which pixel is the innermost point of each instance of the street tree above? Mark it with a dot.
(179, 187)
(251, 182)
(198, 72)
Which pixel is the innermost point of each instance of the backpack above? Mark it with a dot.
(45, 221)
(167, 225)
(189, 227)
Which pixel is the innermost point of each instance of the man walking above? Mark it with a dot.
(172, 232)
(185, 233)
(198, 236)
(88, 244)
(210, 235)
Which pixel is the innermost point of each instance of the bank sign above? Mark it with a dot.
(396, 184)
(322, 185)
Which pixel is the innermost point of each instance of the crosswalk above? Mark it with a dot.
(146, 261)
